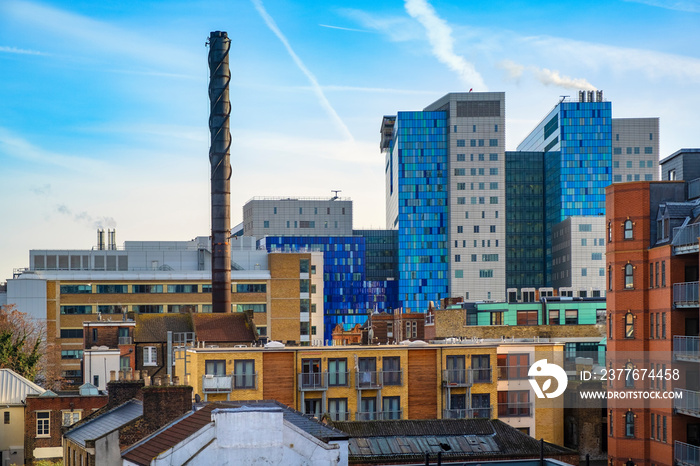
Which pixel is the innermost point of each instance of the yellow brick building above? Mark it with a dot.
(416, 381)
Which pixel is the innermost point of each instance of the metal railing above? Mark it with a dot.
(393, 377)
(340, 416)
(125, 340)
(685, 294)
(245, 381)
(686, 454)
(457, 377)
(339, 379)
(685, 239)
(687, 403)
(216, 383)
(378, 415)
(686, 348)
(482, 375)
(467, 413)
(512, 372)
(515, 409)
(313, 381)
(368, 380)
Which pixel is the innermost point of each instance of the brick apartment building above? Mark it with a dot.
(652, 271)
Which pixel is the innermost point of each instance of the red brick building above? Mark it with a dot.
(652, 300)
(47, 417)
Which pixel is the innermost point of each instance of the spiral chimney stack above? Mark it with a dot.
(220, 160)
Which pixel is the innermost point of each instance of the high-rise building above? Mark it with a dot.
(445, 196)
(297, 216)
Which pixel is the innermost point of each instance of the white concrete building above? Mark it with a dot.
(578, 256)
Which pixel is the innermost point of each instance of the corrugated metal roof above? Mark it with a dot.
(109, 421)
(14, 388)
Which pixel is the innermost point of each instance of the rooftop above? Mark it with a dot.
(14, 388)
(232, 327)
(105, 423)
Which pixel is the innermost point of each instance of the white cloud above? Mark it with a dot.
(312, 79)
(440, 38)
(691, 6)
(15, 50)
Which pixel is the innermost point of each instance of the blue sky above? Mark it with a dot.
(103, 114)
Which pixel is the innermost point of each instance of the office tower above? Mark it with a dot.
(298, 216)
(445, 195)
(578, 251)
(635, 143)
(652, 269)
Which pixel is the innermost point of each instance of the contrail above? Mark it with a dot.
(314, 83)
(440, 37)
(545, 76)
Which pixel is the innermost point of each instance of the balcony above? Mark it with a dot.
(392, 377)
(685, 295)
(686, 454)
(688, 404)
(482, 375)
(685, 239)
(368, 380)
(339, 416)
(313, 381)
(216, 383)
(686, 348)
(467, 413)
(455, 378)
(515, 409)
(125, 340)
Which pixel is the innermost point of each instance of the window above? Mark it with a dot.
(368, 409)
(367, 372)
(458, 257)
(338, 409)
(513, 366)
(629, 378)
(493, 142)
(486, 273)
(610, 422)
(182, 289)
(76, 289)
(514, 403)
(472, 143)
(629, 277)
(652, 425)
(663, 273)
(497, 318)
(147, 308)
(266, 224)
(244, 373)
(460, 158)
(554, 317)
(215, 367)
(584, 272)
(71, 333)
(493, 157)
(571, 316)
(459, 273)
(338, 372)
(657, 325)
(456, 373)
(251, 307)
(391, 407)
(70, 417)
(584, 227)
(527, 317)
(7, 417)
(493, 171)
(304, 286)
(304, 266)
(651, 325)
(461, 143)
(597, 256)
(664, 431)
(663, 325)
(68, 310)
(150, 356)
(658, 427)
(72, 354)
(43, 423)
(629, 424)
(147, 288)
(251, 287)
(628, 229)
(656, 274)
(391, 370)
(629, 325)
(481, 368)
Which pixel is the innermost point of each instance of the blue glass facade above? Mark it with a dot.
(421, 149)
(348, 295)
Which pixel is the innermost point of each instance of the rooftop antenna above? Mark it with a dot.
(563, 97)
(335, 192)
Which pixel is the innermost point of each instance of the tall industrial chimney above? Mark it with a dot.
(220, 159)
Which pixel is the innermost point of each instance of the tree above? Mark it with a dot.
(24, 349)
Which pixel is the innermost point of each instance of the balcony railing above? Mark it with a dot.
(686, 348)
(688, 402)
(216, 383)
(686, 454)
(339, 379)
(685, 294)
(339, 416)
(685, 239)
(368, 380)
(457, 378)
(392, 377)
(378, 416)
(482, 374)
(515, 409)
(467, 413)
(125, 340)
(311, 381)
(245, 381)
(512, 372)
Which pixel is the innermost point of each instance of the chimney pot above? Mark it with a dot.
(112, 376)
